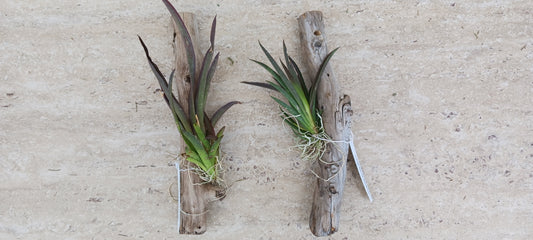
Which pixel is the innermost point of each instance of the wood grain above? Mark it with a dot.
(336, 108)
(193, 193)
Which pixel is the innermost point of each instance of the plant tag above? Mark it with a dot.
(359, 169)
(177, 164)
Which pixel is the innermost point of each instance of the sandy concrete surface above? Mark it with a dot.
(442, 94)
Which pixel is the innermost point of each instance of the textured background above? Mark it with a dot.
(442, 94)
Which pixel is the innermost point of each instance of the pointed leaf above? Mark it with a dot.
(213, 152)
(201, 94)
(292, 123)
(289, 68)
(171, 104)
(299, 91)
(273, 62)
(169, 97)
(212, 36)
(305, 123)
(278, 75)
(299, 76)
(216, 116)
(285, 106)
(318, 77)
(194, 158)
(291, 77)
(284, 83)
(201, 135)
(191, 101)
(196, 146)
(191, 58)
(294, 104)
(209, 129)
(211, 73)
(260, 84)
(220, 132)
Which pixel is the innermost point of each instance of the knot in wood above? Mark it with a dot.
(332, 189)
(334, 168)
(199, 229)
(317, 44)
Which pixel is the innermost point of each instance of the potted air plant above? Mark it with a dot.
(196, 127)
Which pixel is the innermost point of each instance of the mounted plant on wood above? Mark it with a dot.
(194, 124)
(300, 110)
(319, 115)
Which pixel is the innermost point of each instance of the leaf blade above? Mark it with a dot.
(218, 114)
(169, 97)
(318, 77)
(260, 84)
(202, 91)
(187, 40)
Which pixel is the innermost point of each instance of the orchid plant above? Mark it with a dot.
(299, 110)
(195, 126)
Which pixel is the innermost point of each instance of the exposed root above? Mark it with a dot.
(313, 145)
(215, 179)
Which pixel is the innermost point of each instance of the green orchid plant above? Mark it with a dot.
(195, 126)
(300, 110)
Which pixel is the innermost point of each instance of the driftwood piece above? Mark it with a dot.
(336, 116)
(193, 193)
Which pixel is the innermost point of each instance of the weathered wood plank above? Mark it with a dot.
(331, 169)
(193, 193)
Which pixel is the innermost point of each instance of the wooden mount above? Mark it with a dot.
(193, 193)
(336, 116)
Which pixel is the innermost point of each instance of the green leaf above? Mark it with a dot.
(220, 132)
(299, 76)
(171, 103)
(218, 114)
(273, 62)
(280, 76)
(290, 90)
(211, 73)
(292, 123)
(189, 49)
(286, 55)
(260, 84)
(209, 129)
(318, 77)
(201, 135)
(294, 104)
(194, 158)
(196, 146)
(186, 140)
(305, 122)
(289, 69)
(202, 91)
(285, 84)
(212, 35)
(291, 110)
(191, 101)
(169, 97)
(213, 152)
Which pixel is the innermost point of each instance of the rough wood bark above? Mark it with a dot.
(193, 194)
(331, 169)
